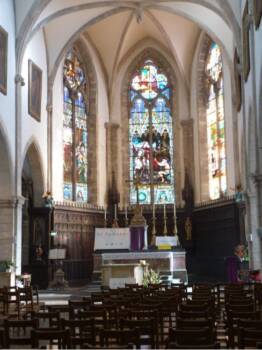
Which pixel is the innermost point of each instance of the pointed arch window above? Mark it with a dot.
(215, 123)
(75, 133)
(150, 136)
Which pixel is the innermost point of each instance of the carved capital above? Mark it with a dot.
(256, 179)
(19, 80)
(49, 108)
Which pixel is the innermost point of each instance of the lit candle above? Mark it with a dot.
(126, 211)
(115, 212)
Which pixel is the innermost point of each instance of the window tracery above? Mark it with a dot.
(215, 123)
(75, 133)
(150, 136)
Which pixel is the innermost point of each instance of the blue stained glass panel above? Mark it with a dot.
(166, 93)
(151, 135)
(164, 194)
(75, 131)
(81, 192)
(68, 194)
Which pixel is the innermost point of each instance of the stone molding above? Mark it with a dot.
(15, 202)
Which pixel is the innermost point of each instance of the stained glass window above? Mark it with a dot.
(75, 133)
(151, 136)
(215, 124)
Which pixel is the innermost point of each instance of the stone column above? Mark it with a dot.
(11, 231)
(13, 208)
(188, 147)
(49, 109)
(112, 163)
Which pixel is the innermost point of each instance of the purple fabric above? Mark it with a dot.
(137, 236)
(232, 269)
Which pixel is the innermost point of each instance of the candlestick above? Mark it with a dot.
(154, 211)
(105, 218)
(126, 211)
(115, 207)
(165, 226)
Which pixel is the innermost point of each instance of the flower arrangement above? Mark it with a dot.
(151, 277)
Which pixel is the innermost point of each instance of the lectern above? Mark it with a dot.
(58, 255)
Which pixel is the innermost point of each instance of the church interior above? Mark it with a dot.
(130, 145)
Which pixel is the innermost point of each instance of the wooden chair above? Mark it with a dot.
(61, 338)
(194, 323)
(251, 324)
(2, 300)
(47, 319)
(98, 317)
(2, 339)
(112, 337)
(231, 322)
(248, 338)
(193, 315)
(11, 302)
(174, 345)
(18, 332)
(150, 315)
(147, 329)
(196, 336)
(78, 305)
(62, 309)
(81, 331)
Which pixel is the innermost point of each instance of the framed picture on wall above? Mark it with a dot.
(257, 5)
(246, 50)
(34, 90)
(3, 60)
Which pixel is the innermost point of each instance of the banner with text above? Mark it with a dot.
(112, 238)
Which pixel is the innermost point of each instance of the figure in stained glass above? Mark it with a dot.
(75, 130)
(215, 123)
(151, 134)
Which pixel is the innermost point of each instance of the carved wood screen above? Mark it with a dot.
(75, 227)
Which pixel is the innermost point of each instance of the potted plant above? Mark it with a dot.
(5, 265)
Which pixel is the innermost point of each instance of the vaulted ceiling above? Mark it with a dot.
(114, 28)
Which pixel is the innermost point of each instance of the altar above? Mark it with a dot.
(164, 262)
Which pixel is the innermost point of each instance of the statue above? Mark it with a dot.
(188, 194)
(188, 229)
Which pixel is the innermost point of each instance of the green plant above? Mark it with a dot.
(5, 265)
(151, 277)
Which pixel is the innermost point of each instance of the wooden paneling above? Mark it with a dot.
(75, 227)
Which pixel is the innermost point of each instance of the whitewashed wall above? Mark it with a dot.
(31, 129)
(7, 102)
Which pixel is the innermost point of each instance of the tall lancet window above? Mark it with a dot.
(215, 124)
(75, 130)
(151, 136)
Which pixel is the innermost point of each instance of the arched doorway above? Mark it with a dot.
(35, 219)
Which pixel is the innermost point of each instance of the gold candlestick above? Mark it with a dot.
(165, 226)
(153, 235)
(175, 227)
